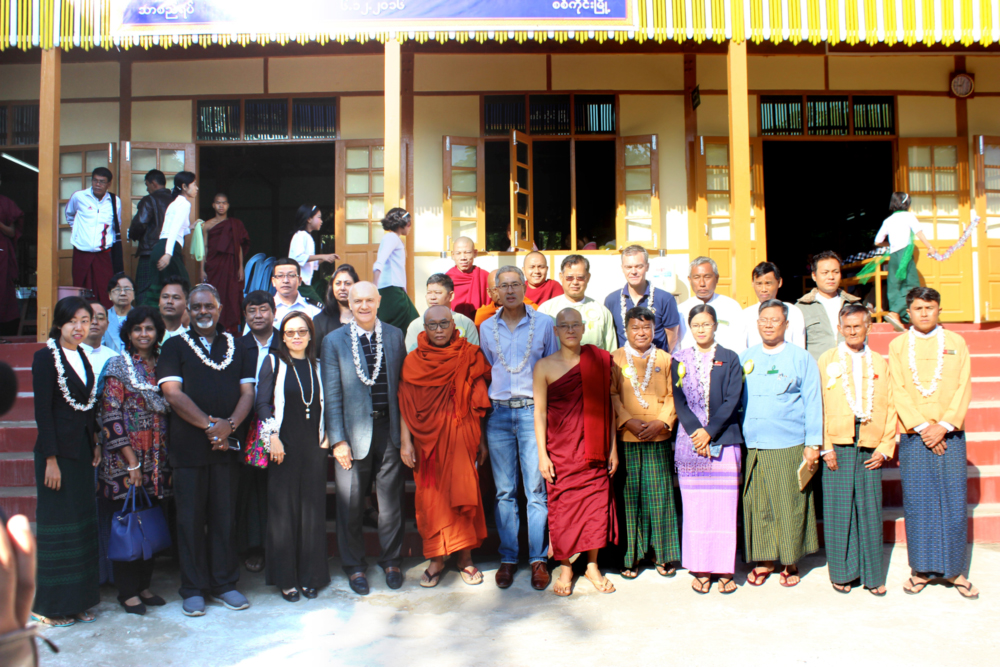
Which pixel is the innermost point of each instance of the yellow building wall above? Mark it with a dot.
(618, 72)
(88, 123)
(198, 77)
(784, 72)
(890, 72)
(433, 118)
(711, 72)
(478, 72)
(987, 71)
(984, 115)
(89, 80)
(362, 117)
(322, 74)
(168, 121)
(20, 82)
(922, 116)
(713, 116)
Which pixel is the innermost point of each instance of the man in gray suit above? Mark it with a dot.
(361, 364)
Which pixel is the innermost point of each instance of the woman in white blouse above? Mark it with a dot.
(302, 249)
(168, 253)
(389, 271)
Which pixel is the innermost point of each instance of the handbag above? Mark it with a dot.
(256, 455)
(137, 534)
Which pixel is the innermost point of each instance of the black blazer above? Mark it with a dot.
(724, 398)
(62, 431)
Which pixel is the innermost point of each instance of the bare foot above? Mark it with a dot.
(601, 583)
(701, 584)
(843, 588)
(915, 584)
(727, 585)
(790, 577)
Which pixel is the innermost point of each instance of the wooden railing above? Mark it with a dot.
(875, 276)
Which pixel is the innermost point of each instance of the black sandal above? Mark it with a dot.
(703, 588)
(874, 591)
(968, 587)
(913, 590)
(846, 588)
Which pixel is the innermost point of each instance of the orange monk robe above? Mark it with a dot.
(442, 397)
(490, 309)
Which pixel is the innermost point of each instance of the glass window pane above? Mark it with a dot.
(718, 230)
(717, 155)
(639, 230)
(135, 207)
(65, 239)
(927, 227)
(992, 179)
(945, 180)
(463, 207)
(945, 156)
(97, 159)
(992, 203)
(637, 179)
(71, 163)
(378, 157)
(67, 186)
(377, 232)
(718, 179)
(357, 232)
(992, 156)
(522, 178)
(948, 229)
(463, 156)
(357, 183)
(463, 181)
(993, 228)
(638, 154)
(919, 156)
(718, 205)
(921, 205)
(62, 214)
(357, 158)
(144, 159)
(464, 228)
(378, 182)
(378, 212)
(638, 206)
(920, 181)
(357, 209)
(522, 152)
(139, 184)
(947, 205)
(171, 161)
(522, 203)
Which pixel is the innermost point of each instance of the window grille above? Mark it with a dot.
(874, 115)
(780, 115)
(265, 120)
(828, 116)
(595, 114)
(219, 120)
(25, 125)
(3, 125)
(503, 113)
(314, 118)
(549, 114)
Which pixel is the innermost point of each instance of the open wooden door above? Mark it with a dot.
(935, 172)
(137, 159)
(464, 190)
(713, 183)
(987, 165)
(758, 227)
(522, 201)
(638, 175)
(360, 206)
(76, 163)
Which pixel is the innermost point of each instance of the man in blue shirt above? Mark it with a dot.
(513, 340)
(638, 292)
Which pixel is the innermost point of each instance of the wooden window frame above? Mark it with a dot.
(527, 241)
(266, 142)
(988, 248)
(621, 194)
(65, 255)
(341, 196)
(480, 194)
(807, 136)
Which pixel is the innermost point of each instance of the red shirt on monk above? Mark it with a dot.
(550, 289)
(470, 290)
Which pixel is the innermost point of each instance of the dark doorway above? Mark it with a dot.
(550, 183)
(497, 195)
(829, 195)
(595, 192)
(20, 185)
(266, 185)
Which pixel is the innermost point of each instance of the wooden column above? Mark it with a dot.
(739, 170)
(406, 161)
(48, 188)
(393, 127)
(695, 235)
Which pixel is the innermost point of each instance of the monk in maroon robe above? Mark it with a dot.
(576, 450)
(11, 228)
(536, 274)
(226, 247)
(470, 280)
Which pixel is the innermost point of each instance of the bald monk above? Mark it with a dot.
(576, 450)
(490, 309)
(442, 398)
(470, 280)
(536, 272)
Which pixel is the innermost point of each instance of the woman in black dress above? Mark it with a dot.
(66, 454)
(290, 407)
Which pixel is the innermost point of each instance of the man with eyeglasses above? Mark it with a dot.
(490, 309)
(599, 325)
(471, 282)
(513, 340)
(286, 280)
(440, 292)
(122, 294)
(94, 215)
(704, 278)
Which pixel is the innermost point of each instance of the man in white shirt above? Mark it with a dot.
(821, 306)
(574, 275)
(98, 355)
(286, 280)
(440, 292)
(173, 306)
(703, 278)
(766, 283)
(95, 215)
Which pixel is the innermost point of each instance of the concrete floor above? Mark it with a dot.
(651, 620)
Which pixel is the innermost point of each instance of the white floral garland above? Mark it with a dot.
(926, 393)
(705, 379)
(134, 378)
(652, 293)
(205, 360)
(855, 402)
(362, 374)
(527, 347)
(61, 381)
(632, 374)
(268, 427)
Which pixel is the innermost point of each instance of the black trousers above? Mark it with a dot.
(131, 577)
(384, 465)
(206, 504)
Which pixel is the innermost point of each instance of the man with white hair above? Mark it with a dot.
(704, 278)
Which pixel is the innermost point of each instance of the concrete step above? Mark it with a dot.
(982, 449)
(23, 374)
(19, 354)
(986, 388)
(17, 469)
(983, 487)
(23, 408)
(19, 500)
(984, 524)
(983, 417)
(17, 436)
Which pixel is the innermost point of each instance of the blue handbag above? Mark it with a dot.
(137, 534)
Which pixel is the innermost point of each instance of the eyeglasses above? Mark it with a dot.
(570, 326)
(435, 326)
(509, 287)
(122, 290)
(773, 320)
(283, 276)
(702, 327)
(297, 333)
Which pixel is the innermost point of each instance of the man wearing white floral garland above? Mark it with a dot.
(931, 389)
(638, 291)
(361, 365)
(574, 274)
(513, 340)
(859, 435)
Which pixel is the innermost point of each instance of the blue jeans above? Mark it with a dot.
(511, 437)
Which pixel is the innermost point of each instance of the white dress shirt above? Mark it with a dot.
(76, 362)
(897, 227)
(263, 349)
(92, 220)
(300, 249)
(832, 307)
(176, 223)
(794, 334)
(729, 315)
(98, 357)
(391, 261)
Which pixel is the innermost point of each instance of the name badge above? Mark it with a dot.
(717, 363)
(773, 371)
(951, 351)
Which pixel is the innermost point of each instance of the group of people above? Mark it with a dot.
(590, 409)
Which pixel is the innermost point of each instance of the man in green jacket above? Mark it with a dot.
(821, 306)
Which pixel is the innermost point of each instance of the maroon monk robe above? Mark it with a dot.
(470, 290)
(10, 215)
(581, 501)
(550, 289)
(222, 265)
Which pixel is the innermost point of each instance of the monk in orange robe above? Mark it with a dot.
(442, 398)
(577, 455)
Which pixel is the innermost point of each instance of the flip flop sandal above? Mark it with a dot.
(469, 575)
(431, 580)
(758, 577)
(45, 620)
(605, 585)
(630, 573)
(845, 590)
(703, 587)
(566, 593)
(664, 571)
(874, 591)
(722, 586)
(84, 618)
(968, 595)
(783, 579)
(915, 587)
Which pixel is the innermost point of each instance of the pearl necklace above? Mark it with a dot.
(652, 293)
(632, 373)
(61, 381)
(205, 360)
(302, 392)
(926, 393)
(527, 347)
(704, 378)
(362, 372)
(134, 378)
(855, 402)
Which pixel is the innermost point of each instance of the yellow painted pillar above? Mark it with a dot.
(739, 171)
(48, 188)
(393, 123)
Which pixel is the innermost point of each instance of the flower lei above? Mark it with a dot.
(134, 378)
(61, 381)
(362, 373)
(855, 402)
(705, 378)
(942, 256)
(205, 360)
(632, 374)
(926, 393)
(652, 293)
(527, 347)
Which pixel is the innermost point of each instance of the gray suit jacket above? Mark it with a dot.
(348, 400)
